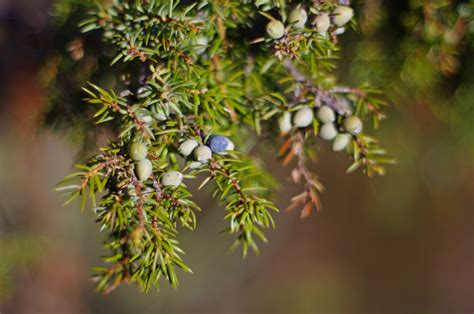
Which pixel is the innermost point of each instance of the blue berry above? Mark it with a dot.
(218, 143)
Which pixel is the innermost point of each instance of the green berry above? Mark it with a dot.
(144, 169)
(322, 23)
(275, 29)
(340, 142)
(298, 17)
(202, 153)
(342, 15)
(304, 117)
(326, 114)
(186, 148)
(138, 151)
(172, 178)
(353, 125)
(328, 131)
(285, 123)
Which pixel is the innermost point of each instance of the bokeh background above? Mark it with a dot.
(403, 243)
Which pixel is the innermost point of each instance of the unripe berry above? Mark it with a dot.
(328, 131)
(275, 29)
(340, 30)
(285, 123)
(353, 125)
(217, 143)
(326, 114)
(342, 15)
(322, 23)
(138, 151)
(340, 142)
(298, 17)
(144, 169)
(186, 148)
(304, 117)
(202, 153)
(172, 178)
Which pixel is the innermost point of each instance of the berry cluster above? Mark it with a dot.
(189, 71)
(202, 153)
(144, 167)
(322, 22)
(332, 126)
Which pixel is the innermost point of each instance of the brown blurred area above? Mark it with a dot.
(403, 243)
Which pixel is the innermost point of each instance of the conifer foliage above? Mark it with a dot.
(197, 80)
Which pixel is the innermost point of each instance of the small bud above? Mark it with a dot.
(217, 143)
(144, 169)
(298, 17)
(275, 29)
(328, 131)
(285, 123)
(340, 142)
(138, 151)
(304, 117)
(326, 114)
(202, 153)
(172, 178)
(353, 125)
(322, 23)
(186, 148)
(342, 15)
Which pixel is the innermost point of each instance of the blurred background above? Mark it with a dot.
(403, 243)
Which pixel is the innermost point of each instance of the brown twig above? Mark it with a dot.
(321, 95)
(309, 198)
(138, 188)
